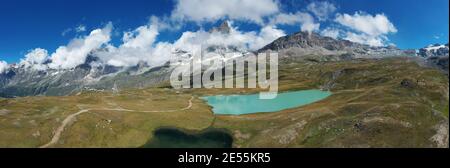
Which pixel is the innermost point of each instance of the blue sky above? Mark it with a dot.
(48, 24)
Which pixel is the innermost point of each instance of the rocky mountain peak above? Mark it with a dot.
(222, 28)
(435, 50)
(436, 55)
(306, 40)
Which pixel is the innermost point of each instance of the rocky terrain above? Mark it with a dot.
(306, 44)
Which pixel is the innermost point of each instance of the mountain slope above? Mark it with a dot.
(304, 44)
(23, 81)
(436, 55)
(20, 80)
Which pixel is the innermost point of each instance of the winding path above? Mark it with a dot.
(60, 129)
(70, 118)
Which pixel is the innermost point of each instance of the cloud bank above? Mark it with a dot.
(35, 59)
(142, 44)
(75, 53)
(138, 45)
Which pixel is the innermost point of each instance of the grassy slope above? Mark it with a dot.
(98, 128)
(369, 108)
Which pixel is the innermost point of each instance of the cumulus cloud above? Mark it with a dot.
(142, 37)
(140, 46)
(243, 40)
(322, 10)
(3, 66)
(371, 30)
(212, 10)
(267, 35)
(366, 23)
(35, 59)
(376, 41)
(331, 32)
(75, 53)
(305, 20)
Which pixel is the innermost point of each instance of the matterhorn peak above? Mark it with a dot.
(223, 28)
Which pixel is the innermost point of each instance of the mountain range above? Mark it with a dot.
(19, 80)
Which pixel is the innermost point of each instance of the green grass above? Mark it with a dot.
(368, 108)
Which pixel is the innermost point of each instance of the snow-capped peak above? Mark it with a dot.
(434, 47)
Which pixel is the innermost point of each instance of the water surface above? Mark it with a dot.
(247, 104)
(175, 138)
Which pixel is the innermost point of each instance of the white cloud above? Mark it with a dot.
(165, 23)
(243, 40)
(322, 10)
(3, 66)
(366, 23)
(80, 28)
(142, 37)
(35, 59)
(370, 30)
(330, 32)
(212, 10)
(305, 20)
(140, 45)
(75, 53)
(362, 38)
(286, 19)
(267, 35)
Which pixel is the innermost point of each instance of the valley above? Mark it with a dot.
(384, 102)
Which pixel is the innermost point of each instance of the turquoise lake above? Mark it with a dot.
(247, 104)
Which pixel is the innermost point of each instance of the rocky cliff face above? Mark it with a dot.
(304, 44)
(223, 28)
